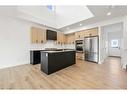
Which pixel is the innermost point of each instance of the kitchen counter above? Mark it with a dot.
(35, 55)
(52, 61)
(56, 51)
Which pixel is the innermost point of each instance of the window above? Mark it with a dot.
(50, 7)
(114, 43)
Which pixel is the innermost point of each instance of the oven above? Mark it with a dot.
(79, 45)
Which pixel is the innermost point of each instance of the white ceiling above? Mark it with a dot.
(100, 14)
(67, 15)
(60, 17)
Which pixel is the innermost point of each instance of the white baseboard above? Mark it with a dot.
(101, 62)
(13, 65)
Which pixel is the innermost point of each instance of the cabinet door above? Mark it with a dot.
(38, 35)
(62, 38)
(34, 35)
(79, 35)
(87, 33)
(73, 39)
(94, 32)
(82, 35)
(80, 56)
(70, 38)
(42, 36)
(58, 38)
(65, 39)
(91, 32)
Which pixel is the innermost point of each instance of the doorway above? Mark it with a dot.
(114, 46)
(111, 38)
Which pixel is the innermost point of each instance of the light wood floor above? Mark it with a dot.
(83, 75)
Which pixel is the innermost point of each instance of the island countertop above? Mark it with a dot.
(57, 51)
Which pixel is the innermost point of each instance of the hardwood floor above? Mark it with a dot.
(83, 75)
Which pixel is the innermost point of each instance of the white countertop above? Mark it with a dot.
(57, 51)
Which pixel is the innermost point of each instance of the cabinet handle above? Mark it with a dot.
(41, 41)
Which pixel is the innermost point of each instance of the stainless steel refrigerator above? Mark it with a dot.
(91, 48)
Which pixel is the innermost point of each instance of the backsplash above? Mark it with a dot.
(50, 44)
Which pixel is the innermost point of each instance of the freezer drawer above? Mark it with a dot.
(91, 57)
(91, 48)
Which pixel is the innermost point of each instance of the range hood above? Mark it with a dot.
(51, 35)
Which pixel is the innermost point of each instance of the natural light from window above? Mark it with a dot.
(114, 43)
(50, 7)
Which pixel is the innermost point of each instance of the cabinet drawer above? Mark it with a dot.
(80, 56)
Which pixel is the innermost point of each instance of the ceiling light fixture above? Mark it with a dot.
(109, 13)
(80, 24)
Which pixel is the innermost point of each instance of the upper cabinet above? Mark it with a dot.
(38, 35)
(79, 35)
(70, 38)
(61, 38)
(86, 33)
(91, 32)
(51, 35)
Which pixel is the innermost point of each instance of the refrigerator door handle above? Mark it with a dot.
(90, 44)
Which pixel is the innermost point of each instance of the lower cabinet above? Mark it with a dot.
(55, 61)
(80, 55)
(35, 57)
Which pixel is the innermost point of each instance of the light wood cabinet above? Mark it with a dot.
(33, 35)
(38, 35)
(79, 35)
(70, 38)
(64, 39)
(61, 39)
(80, 55)
(91, 32)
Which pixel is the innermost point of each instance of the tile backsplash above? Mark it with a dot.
(50, 44)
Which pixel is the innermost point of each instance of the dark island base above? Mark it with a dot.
(52, 62)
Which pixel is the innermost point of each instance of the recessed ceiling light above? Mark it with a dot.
(109, 13)
(80, 24)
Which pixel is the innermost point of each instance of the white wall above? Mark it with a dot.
(15, 43)
(124, 43)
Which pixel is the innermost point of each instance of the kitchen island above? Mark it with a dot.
(52, 61)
